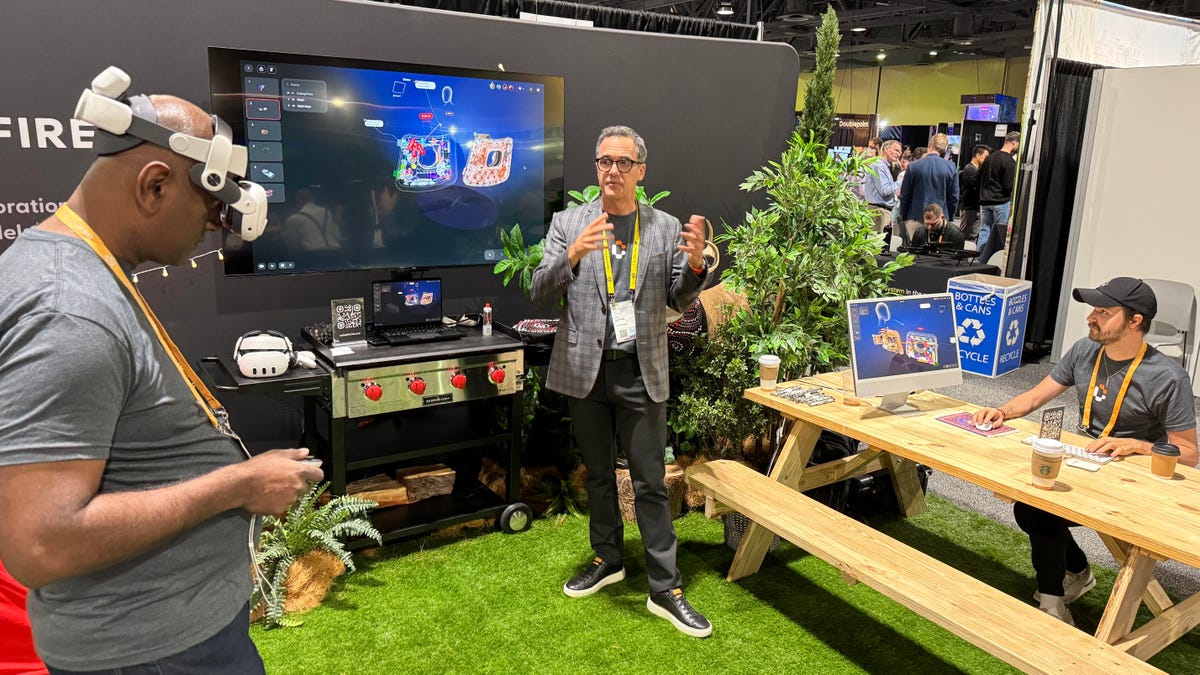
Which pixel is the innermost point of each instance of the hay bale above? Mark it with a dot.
(625, 496)
(719, 304)
(533, 488)
(494, 477)
(674, 480)
(309, 579)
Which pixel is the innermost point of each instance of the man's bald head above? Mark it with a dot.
(142, 201)
(173, 113)
(177, 114)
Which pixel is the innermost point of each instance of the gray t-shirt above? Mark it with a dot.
(1159, 398)
(83, 377)
(622, 258)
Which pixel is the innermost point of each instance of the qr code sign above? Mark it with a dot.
(349, 316)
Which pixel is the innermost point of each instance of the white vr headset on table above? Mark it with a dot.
(126, 122)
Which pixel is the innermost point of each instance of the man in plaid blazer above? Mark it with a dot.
(619, 265)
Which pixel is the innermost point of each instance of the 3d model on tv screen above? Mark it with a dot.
(373, 165)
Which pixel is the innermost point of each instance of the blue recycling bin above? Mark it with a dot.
(990, 312)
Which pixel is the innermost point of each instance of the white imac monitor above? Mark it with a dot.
(902, 344)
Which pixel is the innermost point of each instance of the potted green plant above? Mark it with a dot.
(591, 193)
(796, 262)
(303, 552)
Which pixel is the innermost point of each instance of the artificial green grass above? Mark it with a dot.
(492, 603)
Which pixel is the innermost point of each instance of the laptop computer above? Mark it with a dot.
(409, 312)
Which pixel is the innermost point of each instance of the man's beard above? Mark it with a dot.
(1096, 335)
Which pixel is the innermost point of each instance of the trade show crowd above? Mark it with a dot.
(923, 200)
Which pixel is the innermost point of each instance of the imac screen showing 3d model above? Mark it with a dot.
(901, 344)
(375, 165)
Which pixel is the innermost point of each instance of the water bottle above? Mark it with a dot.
(487, 318)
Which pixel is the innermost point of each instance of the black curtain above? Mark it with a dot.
(601, 17)
(1070, 89)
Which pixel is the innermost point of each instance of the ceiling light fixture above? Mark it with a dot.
(725, 8)
(858, 29)
(933, 52)
(881, 56)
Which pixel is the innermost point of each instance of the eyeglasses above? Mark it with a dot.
(624, 165)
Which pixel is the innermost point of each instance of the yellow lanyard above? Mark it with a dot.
(1091, 392)
(212, 408)
(633, 259)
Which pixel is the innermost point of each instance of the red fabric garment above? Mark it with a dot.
(17, 656)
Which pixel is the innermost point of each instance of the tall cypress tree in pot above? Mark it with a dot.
(796, 263)
(817, 117)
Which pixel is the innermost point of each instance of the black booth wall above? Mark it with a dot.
(711, 111)
(1064, 125)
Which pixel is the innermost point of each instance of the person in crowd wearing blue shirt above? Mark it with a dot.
(880, 189)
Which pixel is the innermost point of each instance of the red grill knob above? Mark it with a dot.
(458, 380)
(417, 386)
(373, 391)
(497, 375)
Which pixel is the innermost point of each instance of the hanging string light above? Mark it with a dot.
(192, 260)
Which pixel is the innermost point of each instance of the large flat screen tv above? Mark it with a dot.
(377, 165)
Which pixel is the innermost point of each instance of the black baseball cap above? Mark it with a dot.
(1126, 291)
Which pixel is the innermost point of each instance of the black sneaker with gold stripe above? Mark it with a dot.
(674, 607)
(597, 575)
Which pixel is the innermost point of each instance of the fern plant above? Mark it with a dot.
(303, 529)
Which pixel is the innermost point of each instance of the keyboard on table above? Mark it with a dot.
(410, 334)
(1076, 451)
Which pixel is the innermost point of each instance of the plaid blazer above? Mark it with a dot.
(664, 278)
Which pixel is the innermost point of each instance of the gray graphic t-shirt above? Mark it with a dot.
(82, 377)
(1159, 397)
(620, 250)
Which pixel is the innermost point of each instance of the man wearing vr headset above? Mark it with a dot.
(1130, 397)
(128, 503)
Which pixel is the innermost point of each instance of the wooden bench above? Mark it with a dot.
(1002, 625)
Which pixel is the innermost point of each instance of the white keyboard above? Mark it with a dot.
(1076, 451)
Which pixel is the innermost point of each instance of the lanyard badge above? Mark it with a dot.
(623, 316)
(1087, 406)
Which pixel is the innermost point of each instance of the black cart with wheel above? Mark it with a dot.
(369, 409)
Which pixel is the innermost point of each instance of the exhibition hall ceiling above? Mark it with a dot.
(905, 31)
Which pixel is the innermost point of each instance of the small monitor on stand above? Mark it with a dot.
(901, 344)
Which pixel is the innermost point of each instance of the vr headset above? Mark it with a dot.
(126, 122)
(264, 353)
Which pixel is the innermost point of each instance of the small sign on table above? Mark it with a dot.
(1052, 419)
(348, 320)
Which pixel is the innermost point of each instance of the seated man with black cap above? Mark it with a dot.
(1130, 397)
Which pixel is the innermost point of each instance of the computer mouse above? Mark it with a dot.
(983, 426)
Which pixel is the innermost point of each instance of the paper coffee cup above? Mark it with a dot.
(1163, 458)
(768, 371)
(1045, 462)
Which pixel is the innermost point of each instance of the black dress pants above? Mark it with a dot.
(1054, 550)
(619, 401)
